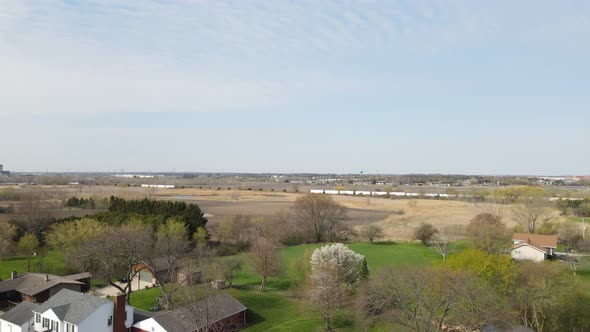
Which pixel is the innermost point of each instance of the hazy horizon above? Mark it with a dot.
(408, 87)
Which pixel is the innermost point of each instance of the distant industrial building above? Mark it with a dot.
(2, 171)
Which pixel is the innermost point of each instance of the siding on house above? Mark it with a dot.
(528, 252)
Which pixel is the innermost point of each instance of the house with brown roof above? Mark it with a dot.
(220, 312)
(38, 287)
(533, 247)
(166, 270)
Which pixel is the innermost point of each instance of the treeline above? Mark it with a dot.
(152, 212)
(476, 291)
(83, 203)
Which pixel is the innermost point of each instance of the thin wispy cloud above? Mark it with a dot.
(193, 56)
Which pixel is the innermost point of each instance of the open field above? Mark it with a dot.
(53, 263)
(447, 215)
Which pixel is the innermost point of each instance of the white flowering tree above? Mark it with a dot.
(335, 270)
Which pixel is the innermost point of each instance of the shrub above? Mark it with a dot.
(425, 233)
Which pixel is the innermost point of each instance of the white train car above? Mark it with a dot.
(159, 186)
(331, 192)
(362, 193)
(379, 193)
(316, 191)
(397, 193)
(346, 192)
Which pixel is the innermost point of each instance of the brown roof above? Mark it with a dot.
(522, 244)
(218, 307)
(537, 240)
(34, 283)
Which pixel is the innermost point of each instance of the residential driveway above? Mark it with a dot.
(112, 290)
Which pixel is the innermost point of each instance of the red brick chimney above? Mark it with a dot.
(119, 314)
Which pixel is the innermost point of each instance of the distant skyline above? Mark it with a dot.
(395, 87)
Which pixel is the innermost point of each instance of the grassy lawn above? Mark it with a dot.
(277, 310)
(145, 298)
(53, 263)
(578, 219)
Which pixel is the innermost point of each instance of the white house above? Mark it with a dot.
(533, 247)
(69, 311)
(19, 318)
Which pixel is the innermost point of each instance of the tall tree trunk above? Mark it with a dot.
(263, 283)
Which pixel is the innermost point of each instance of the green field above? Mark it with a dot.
(277, 310)
(578, 219)
(53, 263)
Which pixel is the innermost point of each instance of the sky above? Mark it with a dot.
(453, 87)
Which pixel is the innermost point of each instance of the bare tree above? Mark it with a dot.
(570, 232)
(229, 268)
(265, 260)
(325, 293)
(444, 245)
(34, 217)
(530, 212)
(488, 233)
(320, 214)
(170, 249)
(573, 262)
(372, 232)
(429, 299)
(7, 235)
(117, 252)
(237, 229)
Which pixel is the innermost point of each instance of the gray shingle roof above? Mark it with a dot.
(70, 306)
(220, 306)
(34, 283)
(20, 314)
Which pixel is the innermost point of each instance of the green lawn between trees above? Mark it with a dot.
(276, 309)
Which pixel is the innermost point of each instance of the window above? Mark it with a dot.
(45, 322)
(37, 317)
(110, 321)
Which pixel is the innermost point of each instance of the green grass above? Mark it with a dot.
(276, 310)
(53, 263)
(578, 219)
(145, 298)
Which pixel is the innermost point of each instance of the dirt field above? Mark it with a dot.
(449, 216)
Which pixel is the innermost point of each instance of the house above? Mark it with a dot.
(221, 312)
(38, 287)
(70, 311)
(149, 273)
(19, 318)
(534, 247)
